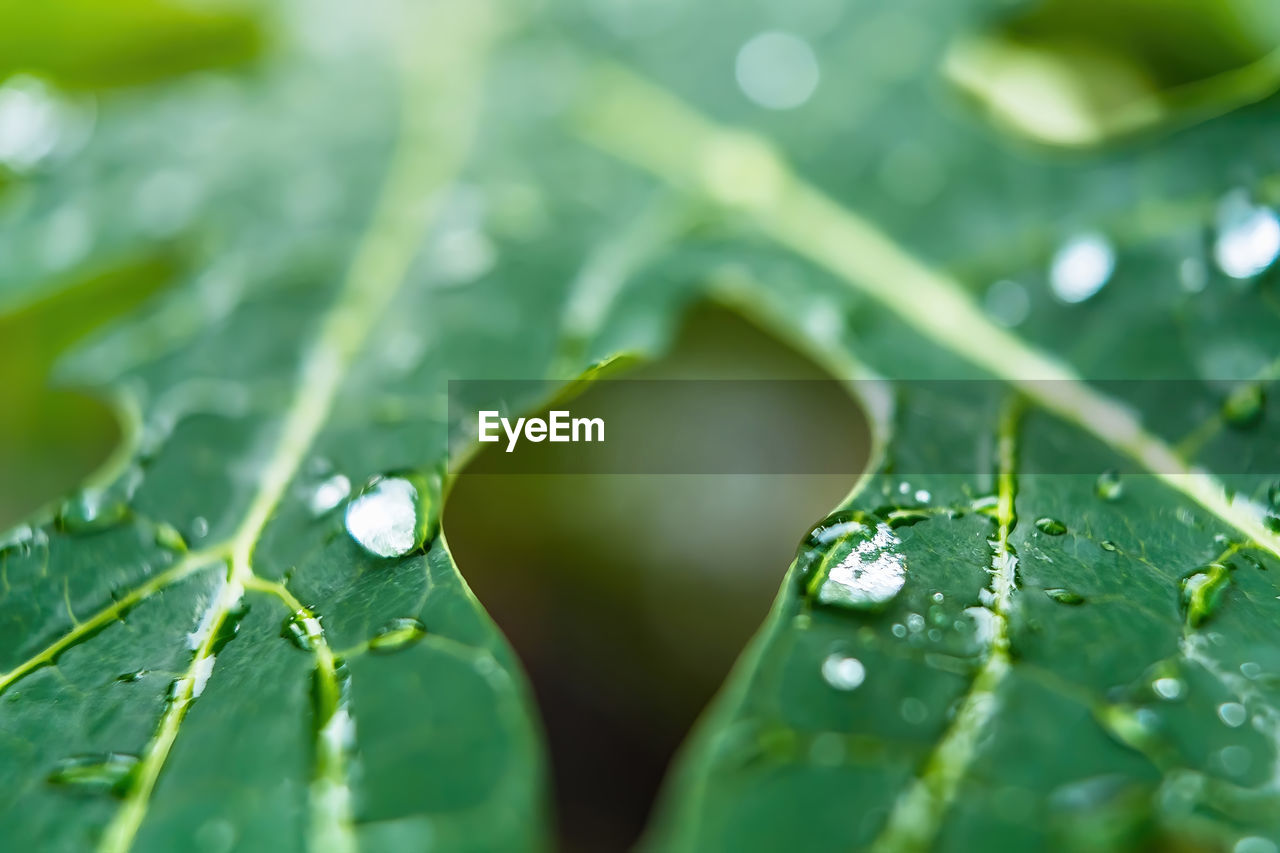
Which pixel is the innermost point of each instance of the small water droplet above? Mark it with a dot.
(1250, 670)
(1108, 486)
(168, 537)
(913, 711)
(302, 629)
(915, 623)
(103, 773)
(391, 516)
(1007, 303)
(777, 70)
(1168, 687)
(1108, 545)
(987, 505)
(1245, 406)
(1064, 596)
(199, 527)
(32, 121)
(328, 493)
(398, 634)
(843, 673)
(1234, 759)
(1233, 714)
(1202, 591)
(1050, 526)
(91, 510)
(1081, 267)
(898, 630)
(1248, 238)
(851, 560)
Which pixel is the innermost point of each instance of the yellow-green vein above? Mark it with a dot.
(453, 39)
(640, 123)
(917, 814)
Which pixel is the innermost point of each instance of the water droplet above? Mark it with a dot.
(1202, 591)
(777, 70)
(1248, 238)
(1108, 545)
(913, 711)
(915, 623)
(1168, 687)
(91, 510)
(1254, 844)
(898, 630)
(1193, 275)
(1081, 267)
(1007, 303)
(1234, 759)
(1245, 407)
(851, 560)
(388, 518)
(328, 493)
(1233, 714)
(987, 505)
(104, 773)
(31, 122)
(843, 673)
(923, 496)
(199, 527)
(168, 537)
(1064, 596)
(1250, 670)
(302, 629)
(1050, 526)
(1108, 486)
(398, 634)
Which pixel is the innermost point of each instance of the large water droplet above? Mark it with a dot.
(851, 560)
(1202, 591)
(843, 673)
(777, 70)
(104, 773)
(388, 518)
(1081, 267)
(398, 634)
(1050, 526)
(1248, 238)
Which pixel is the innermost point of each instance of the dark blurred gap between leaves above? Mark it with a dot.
(628, 597)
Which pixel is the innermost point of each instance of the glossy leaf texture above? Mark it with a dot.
(211, 643)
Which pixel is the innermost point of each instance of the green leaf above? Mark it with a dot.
(208, 646)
